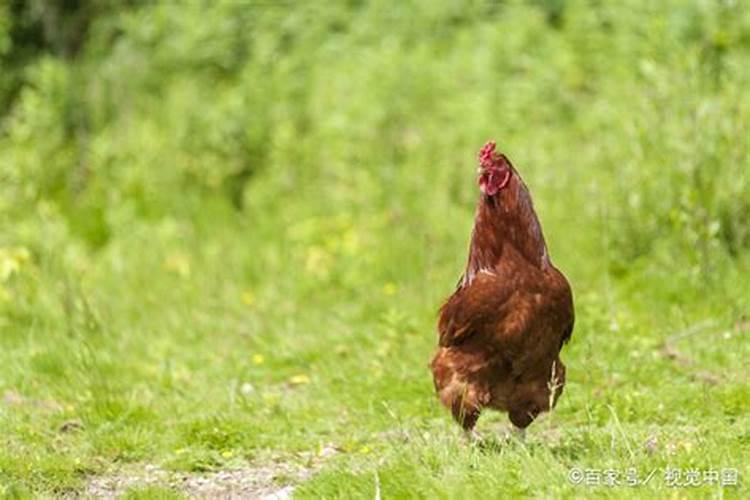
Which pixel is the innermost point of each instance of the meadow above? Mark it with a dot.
(226, 229)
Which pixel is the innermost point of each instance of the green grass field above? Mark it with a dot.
(225, 231)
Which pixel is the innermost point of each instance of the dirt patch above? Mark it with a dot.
(272, 481)
(247, 482)
(12, 398)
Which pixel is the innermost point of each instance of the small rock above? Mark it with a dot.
(71, 426)
(284, 493)
(328, 451)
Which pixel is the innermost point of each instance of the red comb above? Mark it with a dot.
(487, 155)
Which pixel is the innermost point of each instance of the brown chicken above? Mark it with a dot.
(501, 331)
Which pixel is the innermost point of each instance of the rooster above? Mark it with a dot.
(502, 329)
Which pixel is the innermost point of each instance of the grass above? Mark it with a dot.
(160, 314)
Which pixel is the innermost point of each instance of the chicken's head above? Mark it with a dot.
(494, 170)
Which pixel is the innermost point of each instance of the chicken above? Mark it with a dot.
(501, 331)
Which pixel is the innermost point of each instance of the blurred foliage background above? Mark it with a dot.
(119, 113)
(297, 178)
(122, 113)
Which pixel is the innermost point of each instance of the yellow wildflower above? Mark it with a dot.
(248, 298)
(300, 379)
